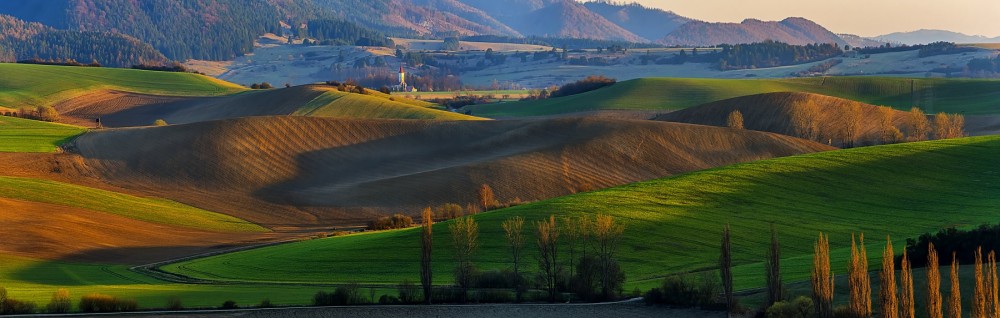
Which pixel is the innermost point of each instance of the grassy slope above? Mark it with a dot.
(145, 209)
(24, 135)
(674, 223)
(40, 85)
(934, 95)
(340, 104)
(35, 280)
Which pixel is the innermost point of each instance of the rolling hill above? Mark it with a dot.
(674, 224)
(306, 171)
(930, 36)
(773, 112)
(27, 85)
(648, 23)
(25, 135)
(971, 97)
(797, 31)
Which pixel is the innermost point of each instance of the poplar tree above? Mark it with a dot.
(548, 256)
(426, 242)
(726, 267)
(465, 238)
(858, 280)
(735, 120)
(933, 283)
(955, 301)
(992, 303)
(887, 290)
(822, 279)
(979, 291)
(773, 270)
(906, 304)
(513, 230)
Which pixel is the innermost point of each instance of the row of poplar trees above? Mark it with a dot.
(896, 299)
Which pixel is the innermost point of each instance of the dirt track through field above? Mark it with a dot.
(305, 172)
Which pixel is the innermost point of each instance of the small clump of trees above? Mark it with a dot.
(846, 126)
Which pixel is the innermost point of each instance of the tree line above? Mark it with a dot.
(20, 40)
(339, 32)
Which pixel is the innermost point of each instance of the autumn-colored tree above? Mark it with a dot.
(726, 267)
(992, 303)
(465, 237)
(47, 113)
(735, 120)
(957, 126)
(942, 126)
(887, 287)
(547, 239)
(822, 278)
(426, 242)
(607, 238)
(513, 229)
(907, 307)
(955, 299)
(852, 115)
(888, 133)
(919, 125)
(805, 120)
(571, 235)
(979, 291)
(772, 270)
(933, 283)
(448, 211)
(486, 198)
(858, 281)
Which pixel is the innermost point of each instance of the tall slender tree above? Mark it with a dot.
(548, 255)
(513, 229)
(955, 299)
(773, 270)
(887, 288)
(933, 283)
(992, 303)
(426, 243)
(919, 125)
(979, 291)
(465, 238)
(852, 116)
(726, 267)
(907, 307)
(486, 198)
(858, 280)
(607, 238)
(822, 278)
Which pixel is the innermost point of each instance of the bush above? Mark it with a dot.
(397, 221)
(448, 211)
(160, 123)
(342, 296)
(682, 291)
(801, 307)
(61, 302)
(493, 296)
(174, 303)
(229, 304)
(46, 113)
(408, 292)
(590, 83)
(504, 279)
(389, 300)
(106, 303)
(842, 311)
(266, 303)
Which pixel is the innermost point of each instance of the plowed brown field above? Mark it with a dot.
(303, 172)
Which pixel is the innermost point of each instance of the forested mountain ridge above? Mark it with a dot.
(796, 31)
(648, 23)
(20, 40)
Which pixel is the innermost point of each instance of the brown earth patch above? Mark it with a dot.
(49, 231)
(84, 110)
(306, 172)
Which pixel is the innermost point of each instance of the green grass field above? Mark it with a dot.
(35, 280)
(933, 95)
(26, 85)
(341, 104)
(673, 224)
(24, 135)
(145, 209)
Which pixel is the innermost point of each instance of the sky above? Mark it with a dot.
(860, 17)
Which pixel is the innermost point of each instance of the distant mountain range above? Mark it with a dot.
(930, 36)
(224, 29)
(798, 31)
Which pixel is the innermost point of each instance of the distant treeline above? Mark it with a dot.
(567, 43)
(961, 242)
(338, 32)
(757, 55)
(926, 50)
(20, 40)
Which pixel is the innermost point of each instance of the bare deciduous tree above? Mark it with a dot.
(772, 270)
(726, 267)
(465, 238)
(735, 120)
(822, 278)
(548, 255)
(887, 287)
(486, 197)
(607, 238)
(426, 242)
(919, 125)
(514, 231)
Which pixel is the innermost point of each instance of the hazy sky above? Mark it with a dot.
(861, 17)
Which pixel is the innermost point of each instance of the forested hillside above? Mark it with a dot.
(796, 31)
(649, 23)
(180, 29)
(336, 32)
(21, 40)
